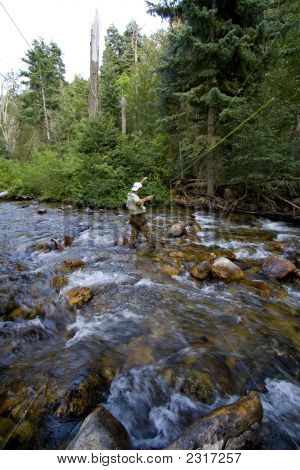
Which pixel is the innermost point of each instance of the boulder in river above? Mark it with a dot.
(68, 240)
(278, 268)
(216, 429)
(226, 270)
(201, 271)
(71, 265)
(42, 211)
(79, 296)
(177, 230)
(100, 431)
(59, 281)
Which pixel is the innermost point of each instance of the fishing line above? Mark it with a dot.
(226, 136)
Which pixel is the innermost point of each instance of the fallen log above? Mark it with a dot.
(225, 427)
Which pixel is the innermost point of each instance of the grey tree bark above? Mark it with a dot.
(94, 67)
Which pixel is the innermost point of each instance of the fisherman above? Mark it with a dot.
(137, 210)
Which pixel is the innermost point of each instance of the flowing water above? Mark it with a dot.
(168, 348)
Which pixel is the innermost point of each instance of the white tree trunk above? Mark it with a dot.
(123, 114)
(94, 67)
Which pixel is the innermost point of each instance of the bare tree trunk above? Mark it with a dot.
(123, 114)
(298, 125)
(212, 124)
(211, 159)
(45, 110)
(94, 67)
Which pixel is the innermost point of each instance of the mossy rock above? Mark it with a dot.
(19, 312)
(170, 267)
(79, 296)
(195, 384)
(41, 247)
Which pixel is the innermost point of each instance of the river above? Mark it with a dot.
(167, 348)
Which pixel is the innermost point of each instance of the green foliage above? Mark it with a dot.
(43, 79)
(212, 55)
(269, 146)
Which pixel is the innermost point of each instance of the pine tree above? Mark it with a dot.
(111, 70)
(212, 54)
(44, 75)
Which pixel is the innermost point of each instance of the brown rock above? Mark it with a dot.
(201, 270)
(71, 265)
(213, 430)
(68, 240)
(177, 230)
(274, 246)
(226, 270)
(101, 431)
(59, 281)
(278, 268)
(170, 266)
(265, 289)
(79, 296)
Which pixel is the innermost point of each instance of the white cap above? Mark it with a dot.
(136, 186)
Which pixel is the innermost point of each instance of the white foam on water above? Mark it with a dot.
(87, 279)
(103, 325)
(152, 413)
(278, 227)
(146, 282)
(253, 252)
(282, 406)
(282, 237)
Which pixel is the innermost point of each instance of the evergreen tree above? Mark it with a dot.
(43, 77)
(111, 70)
(212, 54)
(267, 149)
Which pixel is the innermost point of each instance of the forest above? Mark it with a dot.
(212, 112)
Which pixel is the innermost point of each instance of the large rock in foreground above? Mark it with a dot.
(224, 428)
(226, 270)
(278, 268)
(100, 431)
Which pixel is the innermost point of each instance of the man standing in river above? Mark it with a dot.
(137, 210)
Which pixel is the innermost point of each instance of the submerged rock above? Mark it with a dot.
(226, 270)
(216, 429)
(101, 431)
(266, 290)
(278, 268)
(201, 270)
(177, 230)
(195, 384)
(71, 265)
(42, 211)
(59, 281)
(79, 296)
(168, 265)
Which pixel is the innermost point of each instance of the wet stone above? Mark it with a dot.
(79, 296)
